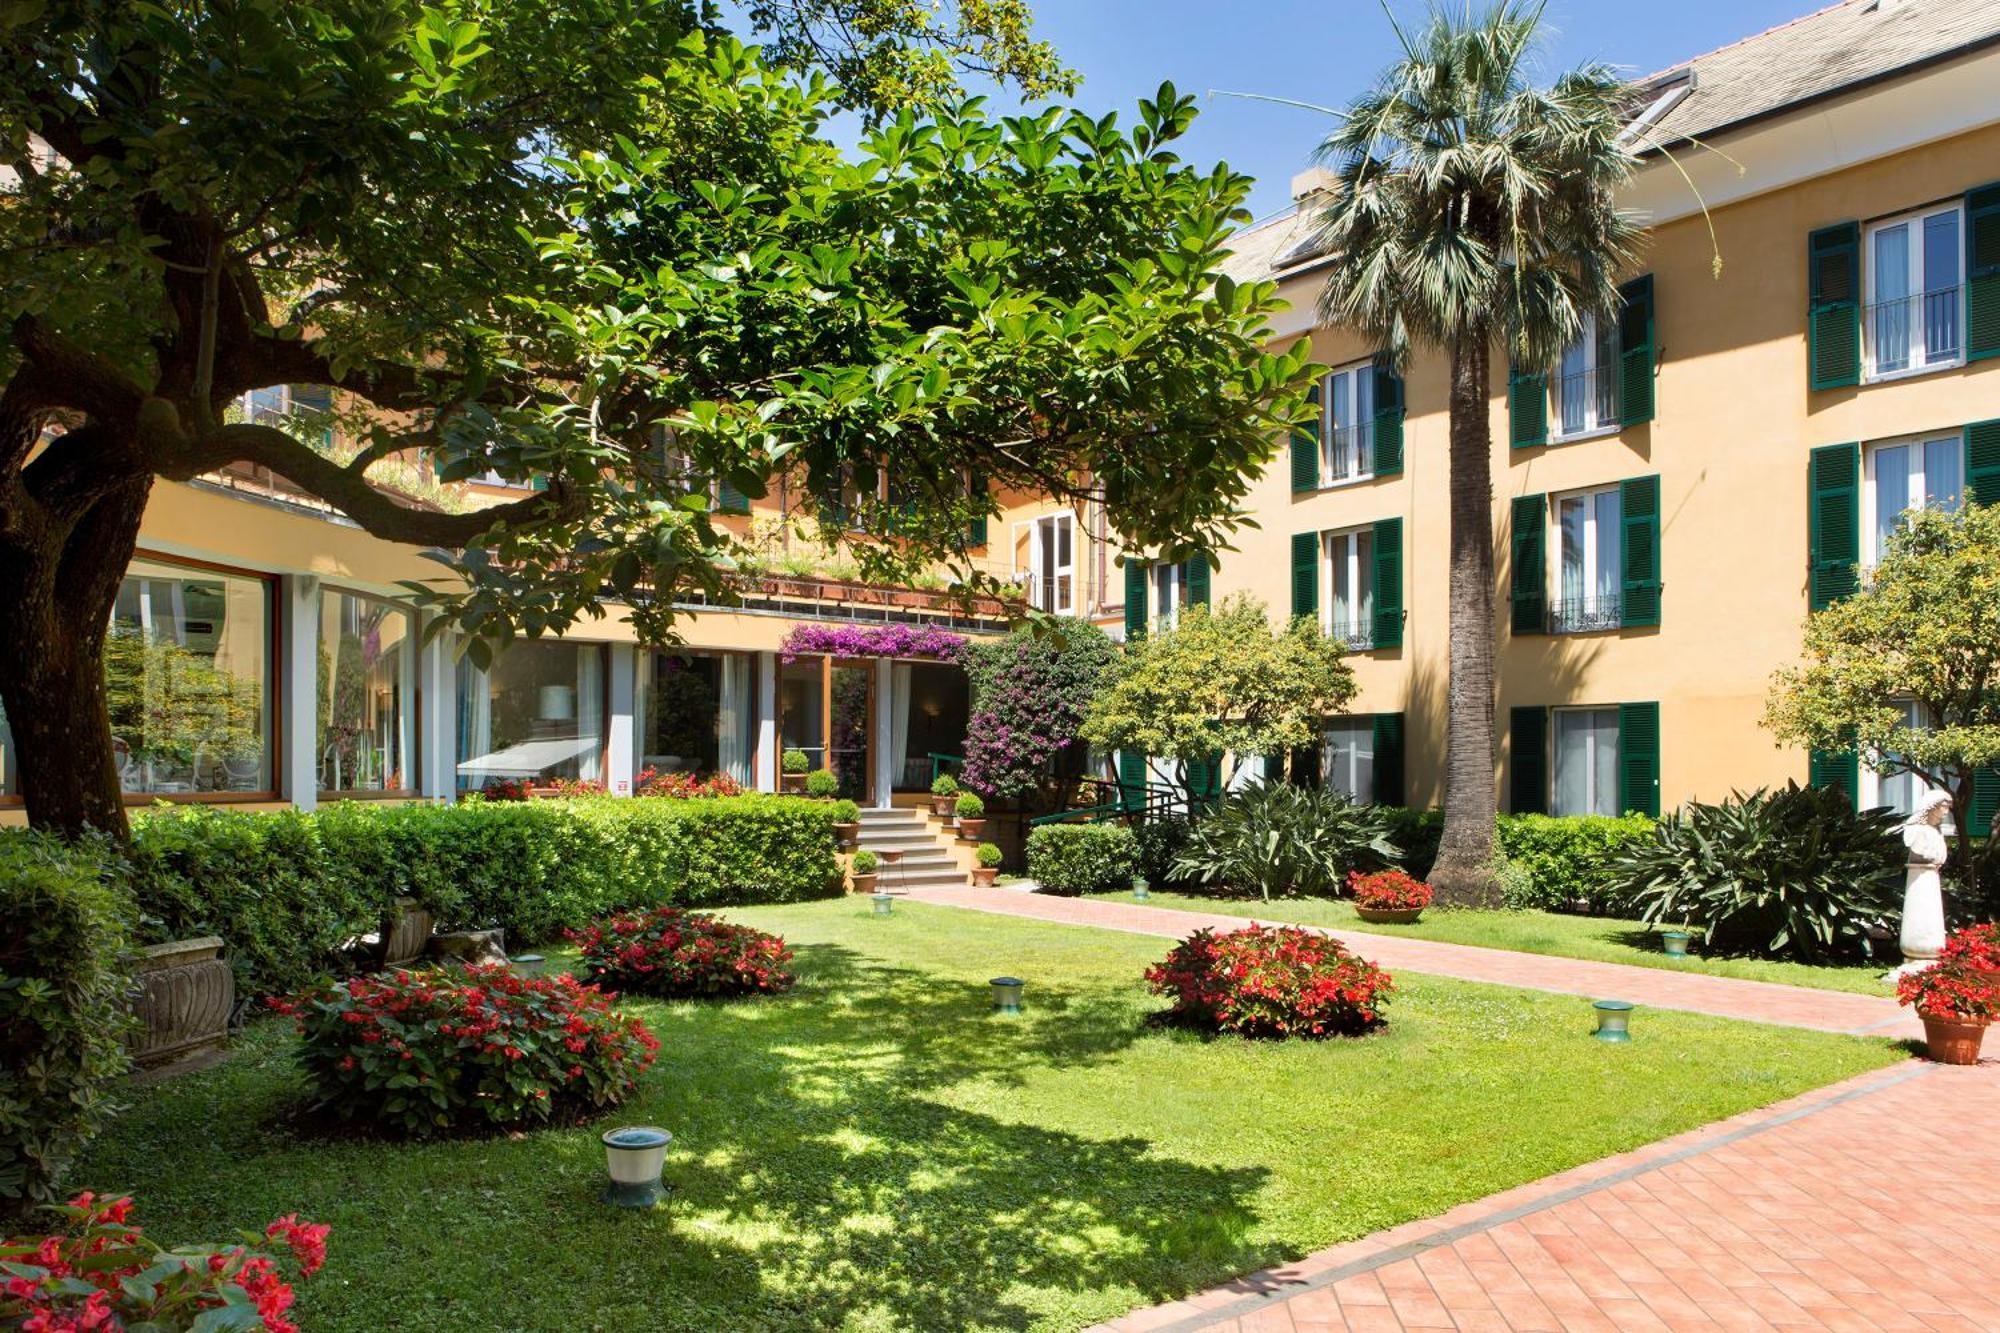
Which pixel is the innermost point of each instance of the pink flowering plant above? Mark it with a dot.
(893, 640)
(1949, 991)
(1389, 891)
(100, 1271)
(670, 952)
(424, 1052)
(1975, 948)
(1271, 981)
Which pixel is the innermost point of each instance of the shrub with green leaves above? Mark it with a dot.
(866, 862)
(988, 855)
(822, 783)
(1161, 840)
(1275, 840)
(794, 761)
(1082, 858)
(63, 979)
(1568, 860)
(846, 812)
(1792, 873)
(944, 784)
(969, 806)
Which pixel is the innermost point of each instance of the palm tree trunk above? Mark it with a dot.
(1463, 875)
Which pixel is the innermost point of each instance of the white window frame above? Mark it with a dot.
(1364, 729)
(1871, 553)
(1591, 759)
(1343, 545)
(1593, 368)
(1360, 429)
(1873, 779)
(1166, 587)
(1915, 221)
(1062, 600)
(1594, 611)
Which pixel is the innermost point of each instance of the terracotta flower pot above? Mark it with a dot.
(865, 883)
(1388, 916)
(849, 834)
(983, 875)
(970, 829)
(1953, 1041)
(941, 806)
(792, 781)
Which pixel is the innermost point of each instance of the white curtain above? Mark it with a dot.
(899, 722)
(733, 719)
(590, 710)
(475, 713)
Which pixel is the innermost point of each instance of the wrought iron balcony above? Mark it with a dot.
(1354, 635)
(1911, 332)
(1582, 615)
(1587, 400)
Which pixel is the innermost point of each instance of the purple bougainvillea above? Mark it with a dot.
(872, 641)
(1029, 696)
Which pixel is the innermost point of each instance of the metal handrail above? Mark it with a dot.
(939, 760)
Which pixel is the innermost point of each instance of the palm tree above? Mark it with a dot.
(1473, 209)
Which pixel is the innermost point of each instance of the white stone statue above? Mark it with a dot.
(1922, 935)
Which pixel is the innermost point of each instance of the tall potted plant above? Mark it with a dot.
(944, 791)
(1956, 1007)
(795, 766)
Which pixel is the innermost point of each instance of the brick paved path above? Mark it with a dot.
(1727, 997)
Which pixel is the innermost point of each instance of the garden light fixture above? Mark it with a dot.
(883, 903)
(633, 1156)
(1139, 894)
(1614, 1019)
(529, 964)
(1675, 942)
(1007, 995)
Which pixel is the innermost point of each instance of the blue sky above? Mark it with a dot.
(1325, 51)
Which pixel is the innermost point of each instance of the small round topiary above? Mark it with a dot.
(457, 1047)
(822, 783)
(988, 855)
(678, 954)
(866, 862)
(794, 761)
(970, 807)
(944, 784)
(1271, 981)
(846, 812)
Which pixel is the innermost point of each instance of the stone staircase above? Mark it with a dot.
(927, 861)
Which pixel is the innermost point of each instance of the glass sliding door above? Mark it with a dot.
(367, 671)
(697, 714)
(536, 716)
(853, 696)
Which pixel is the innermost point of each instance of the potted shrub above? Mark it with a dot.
(1977, 950)
(988, 856)
(1955, 1005)
(822, 784)
(866, 864)
(794, 765)
(847, 822)
(1389, 897)
(944, 793)
(971, 816)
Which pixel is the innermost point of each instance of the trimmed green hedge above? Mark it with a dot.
(1082, 858)
(63, 979)
(286, 890)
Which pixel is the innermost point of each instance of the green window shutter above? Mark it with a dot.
(1982, 272)
(1530, 572)
(1837, 768)
(1982, 462)
(1388, 626)
(1305, 449)
(1204, 777)
(1528, 761)
(1985, 799)
(1388, 423)
(1833, 318)
(1639, 759)
(1132, 779)
(975, 533)
(1639, 501)
(730, 500)
(1388, 759)
(1527, 408)
(1305, 574)
(1135, 599)
(540, 481)
(1197, 580)
(1636, 351)
(1833, 526)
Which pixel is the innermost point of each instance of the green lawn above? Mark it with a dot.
(878, 1151)
(1602, 939)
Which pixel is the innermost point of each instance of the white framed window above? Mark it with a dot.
(1347, 758)
(1585, 772)
(1584, 393)
(1347, 424)
(1901, 475)
(1052, 563)
(1914, 271)
(1350, 608)
(1170, 593)
(1589, 572)
(1901, 791)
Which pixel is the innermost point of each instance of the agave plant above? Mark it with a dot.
(1279, 839)
(1794, 873)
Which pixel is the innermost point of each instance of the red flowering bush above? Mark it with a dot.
(102, 1272)
(425, 1051)
(1389, 891)
(1975, 948)
(670, 952)
(1948, 990)
(1271, 981)
(683, 786)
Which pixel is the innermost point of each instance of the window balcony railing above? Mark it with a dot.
(1586, 400)
(1581, 615)
(1052, 592)
(1354, 635)
(1911, 332)
(1350, 452)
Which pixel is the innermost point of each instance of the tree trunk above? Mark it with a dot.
(1463, 875)
(55, 610)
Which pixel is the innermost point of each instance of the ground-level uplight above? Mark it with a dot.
(882, 902)
(1675, 942)
(1139, 894)
(633, 1157)
(529, 964)
(1007, 994)
(1614, 1018)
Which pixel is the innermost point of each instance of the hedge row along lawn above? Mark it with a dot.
(1601, 939)
(875, 1151)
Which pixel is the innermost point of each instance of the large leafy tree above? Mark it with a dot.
(1474, 210)
(1923, 629)
(591, 242)
(1221, 681)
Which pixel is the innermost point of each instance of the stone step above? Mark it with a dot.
(916, 863)
(915, 837)
(899, 815)
(929, 879)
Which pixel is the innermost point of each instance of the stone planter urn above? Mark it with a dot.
(406, 931)
(182, 995)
